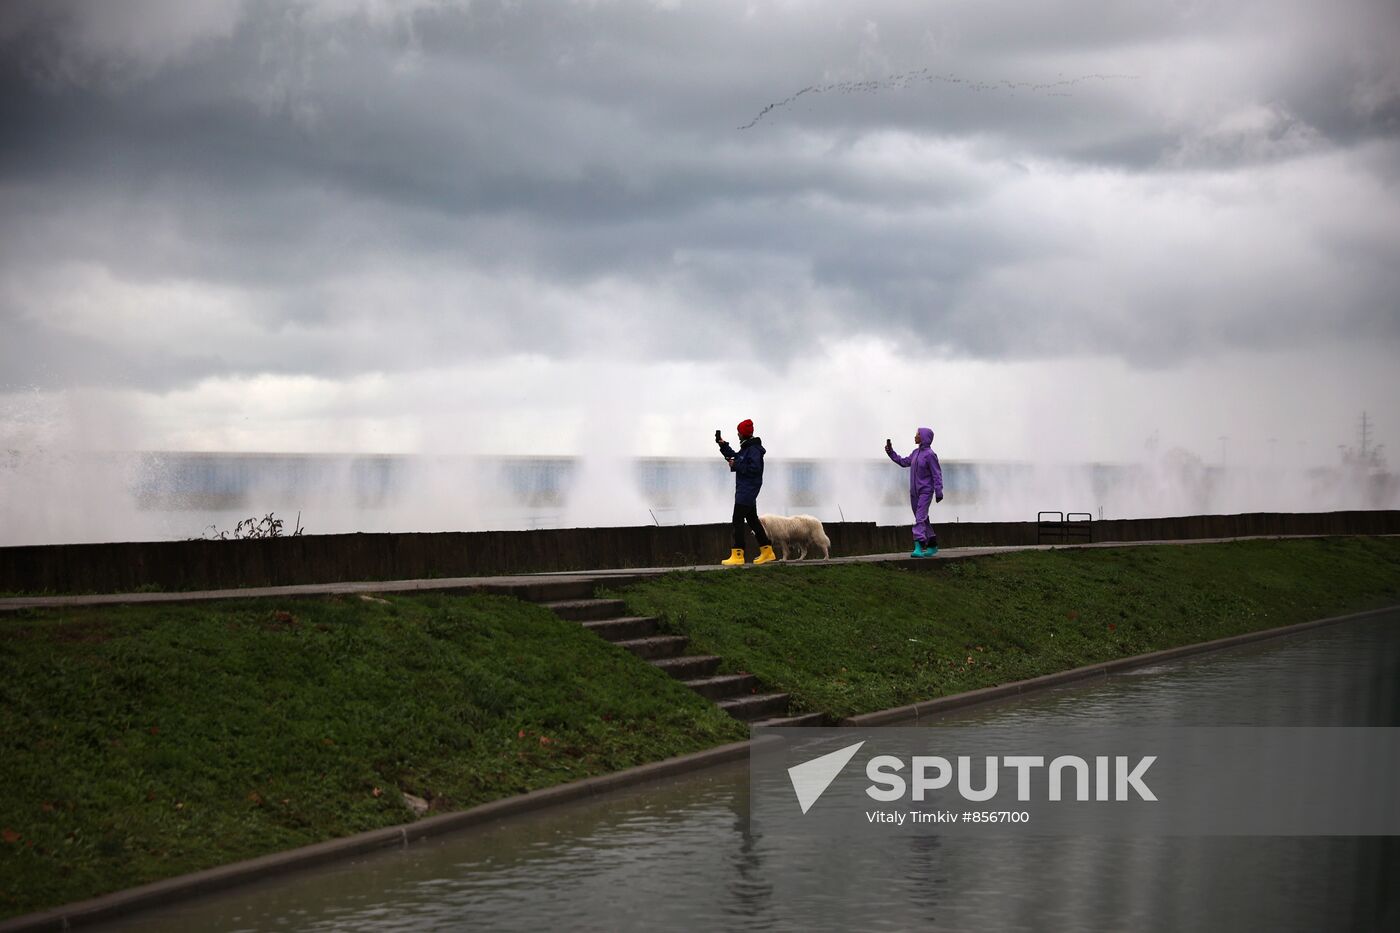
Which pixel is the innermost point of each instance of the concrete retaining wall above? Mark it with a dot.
(187, 565)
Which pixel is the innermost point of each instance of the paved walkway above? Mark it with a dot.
(522, 584)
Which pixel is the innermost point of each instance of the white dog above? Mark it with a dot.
(799, 532)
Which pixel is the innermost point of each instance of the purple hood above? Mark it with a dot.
(925, 437)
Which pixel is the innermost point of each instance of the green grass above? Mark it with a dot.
(144, 742)
(858, 638)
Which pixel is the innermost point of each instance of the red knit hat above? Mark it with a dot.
(745, 428)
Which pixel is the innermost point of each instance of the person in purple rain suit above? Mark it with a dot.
(925, 487)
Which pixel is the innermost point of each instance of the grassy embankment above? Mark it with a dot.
(854, 639)
(143, 742)
(140, 743)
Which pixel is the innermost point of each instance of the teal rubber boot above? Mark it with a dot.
(930, 550)
(918, 550)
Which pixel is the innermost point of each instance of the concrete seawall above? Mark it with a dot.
(186, 565)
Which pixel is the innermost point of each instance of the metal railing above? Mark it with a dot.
(1064, 528)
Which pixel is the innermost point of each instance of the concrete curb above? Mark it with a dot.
(929, 709)
(182, 887)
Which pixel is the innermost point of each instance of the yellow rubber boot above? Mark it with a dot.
(765, 555)
(736, 557)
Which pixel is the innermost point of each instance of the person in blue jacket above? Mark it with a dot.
(747, 467)
(925, 487)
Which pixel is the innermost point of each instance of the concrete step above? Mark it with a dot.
(755, 706)
(723, 686)
(624, 628)
(806, 719)
(584, 610)
(542, 591)
(690, 666)
(655, 646)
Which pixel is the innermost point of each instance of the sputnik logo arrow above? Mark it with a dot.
(811, 778)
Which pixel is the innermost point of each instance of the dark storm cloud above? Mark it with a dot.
(330, 182)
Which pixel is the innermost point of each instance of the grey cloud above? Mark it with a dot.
(471, 178)
(33, 355)
(110, 45)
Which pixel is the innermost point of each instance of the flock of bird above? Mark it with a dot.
(926, 76)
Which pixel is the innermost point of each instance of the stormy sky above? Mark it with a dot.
(1050, 230)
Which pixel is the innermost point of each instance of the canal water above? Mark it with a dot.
(680, 854)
